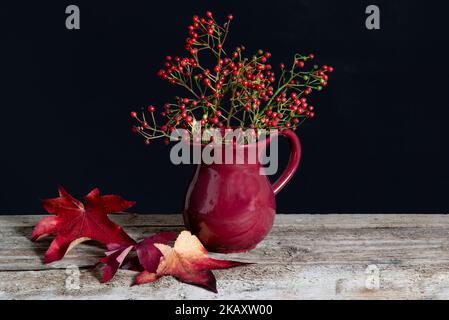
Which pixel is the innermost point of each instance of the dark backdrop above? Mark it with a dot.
(379, 142)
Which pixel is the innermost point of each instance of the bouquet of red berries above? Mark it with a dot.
(230, 90)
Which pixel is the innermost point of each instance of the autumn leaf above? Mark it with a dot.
(148, 256)
(75, 222)
(113, 261)
(147, 252)
(188, 262)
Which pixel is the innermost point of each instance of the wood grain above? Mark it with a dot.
(357, 256)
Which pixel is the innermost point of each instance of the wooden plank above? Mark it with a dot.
(125, 219)
(327, 242)
(251, 282)
(304, 256)
(334, 246)
(299, 220)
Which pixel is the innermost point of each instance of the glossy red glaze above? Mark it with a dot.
(231, 207)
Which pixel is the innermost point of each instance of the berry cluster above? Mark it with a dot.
(229, 90)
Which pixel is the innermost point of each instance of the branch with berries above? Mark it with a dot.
(228, 90)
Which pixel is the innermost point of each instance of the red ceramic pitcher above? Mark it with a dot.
(231, 207)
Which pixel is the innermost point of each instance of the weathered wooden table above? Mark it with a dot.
(304, 257)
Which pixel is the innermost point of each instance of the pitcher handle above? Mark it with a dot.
(293, 162)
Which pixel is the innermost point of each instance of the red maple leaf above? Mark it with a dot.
(75, 222)
(148, 256)
(187, 261)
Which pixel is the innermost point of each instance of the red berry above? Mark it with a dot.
(151, 109)
(230, 17)
(134, 114)
(209, 14)
(147, 141)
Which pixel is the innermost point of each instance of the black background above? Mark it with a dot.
(379, 142)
